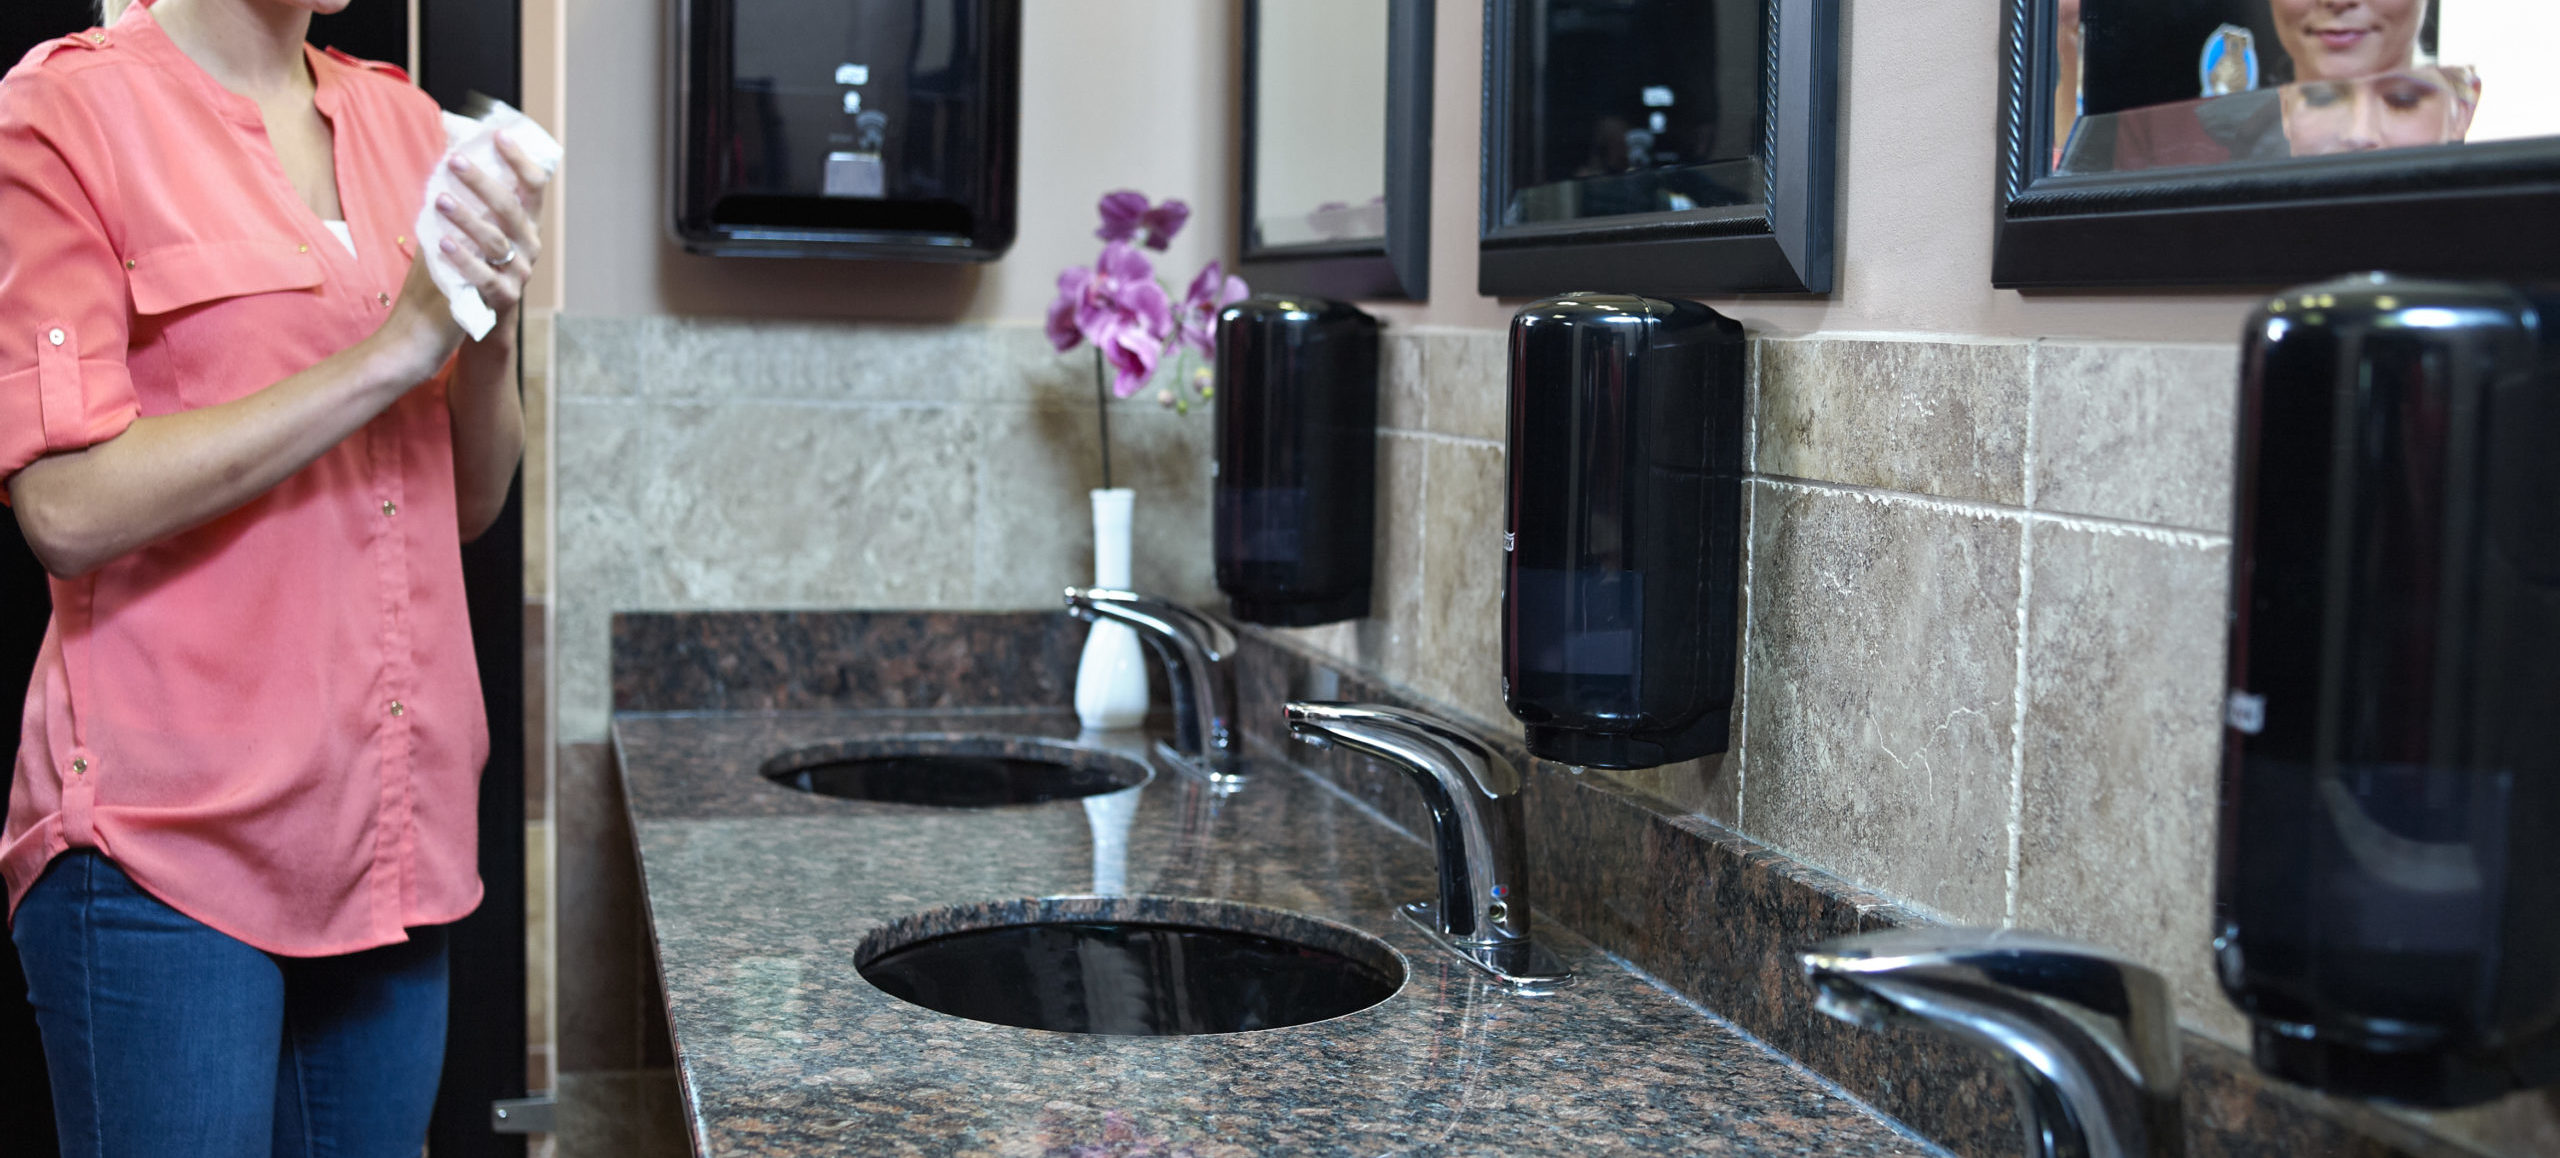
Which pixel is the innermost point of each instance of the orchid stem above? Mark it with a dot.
(1102, 407)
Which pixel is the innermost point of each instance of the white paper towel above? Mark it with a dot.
(476, 140)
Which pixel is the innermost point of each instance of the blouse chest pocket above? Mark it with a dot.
(203, 300)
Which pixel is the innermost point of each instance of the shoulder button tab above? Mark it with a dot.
(393, 71)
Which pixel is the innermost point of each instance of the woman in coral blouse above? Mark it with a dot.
(241, 431)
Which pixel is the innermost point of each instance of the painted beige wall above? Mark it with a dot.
(1117, 94)
(1140, 93)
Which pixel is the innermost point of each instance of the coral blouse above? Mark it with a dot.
(272, 722)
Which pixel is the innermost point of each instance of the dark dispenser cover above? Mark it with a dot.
(1297, 459)
(1624, 528)
(847, 128)
(2388, 901)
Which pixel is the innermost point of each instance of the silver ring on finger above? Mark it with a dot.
(504, 260)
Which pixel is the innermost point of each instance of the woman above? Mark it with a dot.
(2348, 39)
(241, 431)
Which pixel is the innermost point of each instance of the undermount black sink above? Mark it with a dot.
(955, 772)
(1130, 966)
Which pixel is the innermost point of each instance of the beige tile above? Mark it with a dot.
(605, 558)
(1883, 658)
(1403, 398)
(1459, 660)
(2122, 746)
(540, 975)
(1164, 456)
(1033, 517)
(1024, 368)
(1467, 376)
(600, 923)
(713, 358)
(1936, 418)
(2137, 432)
(598, 357)
(757, 504)
(536, 356)
(1710, 787)
(621, 1114)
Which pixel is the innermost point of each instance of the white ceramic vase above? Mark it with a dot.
(1111, 678)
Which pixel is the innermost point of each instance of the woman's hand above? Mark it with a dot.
(499, 244)
(500, 239)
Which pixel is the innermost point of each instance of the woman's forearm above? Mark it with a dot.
(488, 428)
(173, 472)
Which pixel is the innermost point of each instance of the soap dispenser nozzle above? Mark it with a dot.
(1478, 833)
(2090, 1038)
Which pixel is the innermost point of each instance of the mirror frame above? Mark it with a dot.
(2447, 210)
(1399, 265)
(1782, 244)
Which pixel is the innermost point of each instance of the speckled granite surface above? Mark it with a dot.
(1714, 915)
(760, 896)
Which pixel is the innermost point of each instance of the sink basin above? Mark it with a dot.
(955, 771)
(1130, 966)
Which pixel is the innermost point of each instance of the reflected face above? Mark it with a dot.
(2427, 106)
(2346, 39)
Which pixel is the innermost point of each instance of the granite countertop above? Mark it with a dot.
(759, 897)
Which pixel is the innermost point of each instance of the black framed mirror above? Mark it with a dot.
(2201, 142)
(1337, 148)
(1658, 146)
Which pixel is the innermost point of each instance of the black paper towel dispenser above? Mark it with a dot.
(2390, 836)
(847, 128)
(1297, 459)
(1622, 542)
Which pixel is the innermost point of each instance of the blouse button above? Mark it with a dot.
(54, 335)
(389, 508)
(398, 709)
(302, 249)
(384, 299)
(80, 767)
(129, 263)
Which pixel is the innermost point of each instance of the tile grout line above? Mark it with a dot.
(1750, 530)
(1976, 508)
(2018, 682)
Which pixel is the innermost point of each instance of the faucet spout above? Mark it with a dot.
(1478, 833)
(1195, 650)
(2091, 1039)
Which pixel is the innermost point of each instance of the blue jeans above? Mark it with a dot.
(166, 1038)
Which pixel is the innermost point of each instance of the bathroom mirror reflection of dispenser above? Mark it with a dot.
(2388, 900)
(846, 128)
(1623, 528)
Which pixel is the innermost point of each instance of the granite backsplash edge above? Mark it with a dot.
(1708, 913)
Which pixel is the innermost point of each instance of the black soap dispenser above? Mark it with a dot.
(2388, 900)
(1623, 532)
(1297, 453)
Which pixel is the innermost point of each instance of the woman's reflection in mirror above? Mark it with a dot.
(2360, 83)
(2396, 110)
(2348, 39)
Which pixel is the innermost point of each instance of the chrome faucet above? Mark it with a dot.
(1195, 649)
(2090, 1038)
(1477, 832)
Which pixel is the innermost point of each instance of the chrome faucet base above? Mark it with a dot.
(1525, 966)
(1225, 778)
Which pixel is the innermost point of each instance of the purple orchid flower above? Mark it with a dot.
(1123, 211)
(1163, 222)
(1210, 292)
(1117, 306)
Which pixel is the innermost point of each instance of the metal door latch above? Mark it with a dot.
(534, 1115)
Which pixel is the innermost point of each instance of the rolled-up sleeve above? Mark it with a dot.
(64, 301)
